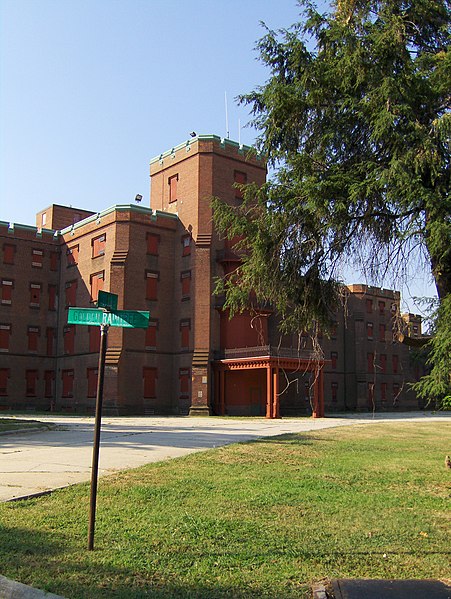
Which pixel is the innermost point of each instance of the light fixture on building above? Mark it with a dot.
(138, 197)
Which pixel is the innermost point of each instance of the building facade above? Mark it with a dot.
(192, 359)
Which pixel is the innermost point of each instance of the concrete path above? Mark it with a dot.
(37, 462)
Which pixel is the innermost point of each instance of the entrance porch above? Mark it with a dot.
(250, 384)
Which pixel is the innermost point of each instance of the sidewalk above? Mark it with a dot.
(39, 462)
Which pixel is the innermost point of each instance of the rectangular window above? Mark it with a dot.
(185, 326)
(98, 245)
(369, 330)
(382, 332)
(185, 278)
(396, 392)
(9, 251)
(31, 376)
(151, 334)
(333, 331)
(72, 255)
(35, 295)
(383, 363)
(184, 377)
(52, 297)
(67, 377)
(370, 362)
(152, 285)
(417, 372)
(369, 306)
(50, 337)
(395, 364)
(334, 391)
(172, 182)
(69, 338)
(230, 243)
(4, 376)
(7, 291)
(153, 241)
(381, 307)
(36, 258)
(43, 219)
(5, 332)
(94, 339)
(33, 336)
(370, 394)
(239, 178)
(383, 391)
(49, 378)
(71, 293)
(97, 281)
(334, 358)
(186, 245)
(92, 374)
(150, 376)
(415, 330)
(53, 261)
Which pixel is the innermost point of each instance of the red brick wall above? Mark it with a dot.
(205, 167)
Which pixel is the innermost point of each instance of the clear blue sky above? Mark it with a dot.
(91, 90)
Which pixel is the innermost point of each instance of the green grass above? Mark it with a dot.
(261, 519)
(15, 424)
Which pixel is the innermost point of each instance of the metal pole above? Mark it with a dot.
(98, 421)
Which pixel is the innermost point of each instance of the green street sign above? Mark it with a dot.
(107, 300)
(132, 319)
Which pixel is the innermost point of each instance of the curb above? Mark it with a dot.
(36, 429)
(319, 591)
(10, 589)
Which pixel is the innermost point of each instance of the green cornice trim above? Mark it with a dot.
(154, 214)
(221, 140)
(18, 226)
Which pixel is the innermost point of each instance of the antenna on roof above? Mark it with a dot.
(226, 116)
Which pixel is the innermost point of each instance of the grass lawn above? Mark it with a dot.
(14, 424)
(254, 520)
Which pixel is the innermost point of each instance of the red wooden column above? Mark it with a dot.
(276, 402)
(269, 391)
(318, 393)
(222, 391)
(321, 392)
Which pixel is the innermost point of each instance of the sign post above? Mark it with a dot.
(96, 447)
(105, 315)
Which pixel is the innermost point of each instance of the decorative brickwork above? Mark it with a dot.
(193, 359)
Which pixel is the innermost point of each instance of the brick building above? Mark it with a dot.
(192, 358)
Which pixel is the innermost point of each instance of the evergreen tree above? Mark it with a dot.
(357, 130)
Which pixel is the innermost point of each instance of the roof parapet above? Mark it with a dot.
(154, 214)
(223, 141)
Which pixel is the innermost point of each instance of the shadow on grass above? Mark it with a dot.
(43, 561)
(289, 439)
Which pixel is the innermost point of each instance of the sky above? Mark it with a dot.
(92, 90)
